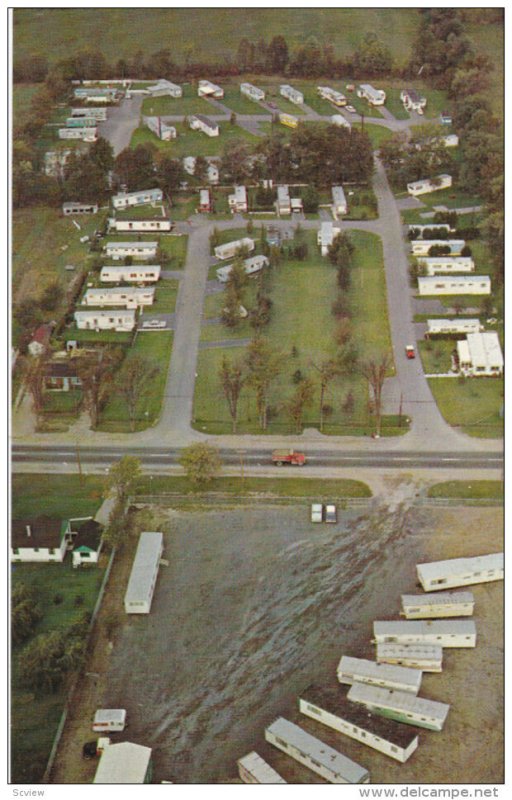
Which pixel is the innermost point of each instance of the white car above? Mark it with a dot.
(351, 109)
(330, 513)
(154, 323)
(316, 512)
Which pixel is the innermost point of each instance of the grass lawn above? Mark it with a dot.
(142, 212)
(164, 106)
(95, 337)
(451, 198)
(22, 94)
(165, 297)
(436, 355)
(394, 104)
(377, 134)
(193, 143)
(466, 489)
(239, 103)
(155, 347)
(362, 203)
(301, 329)
(184, 206)
(474, 405)
(272, 487)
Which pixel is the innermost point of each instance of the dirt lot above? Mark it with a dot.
(255, 604)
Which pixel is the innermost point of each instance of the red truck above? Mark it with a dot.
(281, 457)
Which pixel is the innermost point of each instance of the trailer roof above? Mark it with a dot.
(385, 672)
(260, 769)
(406, 701)
(459, 566)
(417, 651)
(124, 762)
(146, 561)
(335, 702)
(464, 627)
(437, 598)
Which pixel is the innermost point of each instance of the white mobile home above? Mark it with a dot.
(86, 134)
(413, 101)
(205, 202)
(333, 709)
(159, 128)
(284, 205)
(99, 114)
(164, 88)
(252, 92)
(480, 355)
(340, 121)
(79, 208)
(420, 229)
(462, 284)
(141, 585)
(427, 657)
(446, 265)
(446, 633)
(333, 96)
(252, 267)
(140, 198)
(109, 720)
(429, 185)
(401, 706)
(143, 273)
(81, 122)
(376, 97)
(253, 769)
(124, 762)
(112, 320)
(421, 247)
(454, 572)
(208, 89)
(238, 200)
(437, 604)
(360, 670)
(230, 249)
(291, 94)
(326, 236)
(440, 327)
(314, 754)
(91, 93)
(451, 140)
(339, 202)
(160, 225)
(198, 122)
(140, 250)
(121, 296)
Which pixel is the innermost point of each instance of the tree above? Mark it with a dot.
(201, 168)
(101, 153)
(263, 365)
(95, 372)
(277, 55)
(25, 612)
(230, 314)
(52, 296)
(115, 530)
(122, 477)
(327, 370)
(134, 382)
(375, 369)
(310, 200)
(136, 168)
(169, 173)
(35, 368)
(372, 57)
(201, 462)
(302, 398)
(46, 661)
(232, 380)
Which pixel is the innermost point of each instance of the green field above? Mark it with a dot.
(189, 103)
(22, 94)
(474, 405)
(466, 489)
(193, 143)
(377, 134)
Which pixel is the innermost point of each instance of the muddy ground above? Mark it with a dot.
(257, 602)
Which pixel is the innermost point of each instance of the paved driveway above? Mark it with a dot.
(121, 123)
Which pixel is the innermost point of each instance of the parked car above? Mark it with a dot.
(410, 351)
(317, 512)
(330, 513)
(351, 109)
(154, 323)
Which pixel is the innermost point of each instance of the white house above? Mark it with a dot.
(212, 175)
(401, 706)
(314, 754)
(158, 225)
(140, 198)
(140, 250)
(198, 122)
(421, 247)
(413, 101)
(437, 604)
(40, 539)
(164, 87)
(124, 762)
(40, 339)
(230, 249)
(340, 121)
(453, 572)
(161, 129)
(334, 97)
(427, 657)
(326, 236)
(284, 205)
(459, 325)
(462, 284)
(253, 769)
(143, 273)
(120, 296)
(251, 265)
(429, 185)
(252, 92)
(361, 670)
(334, 710)
(86, 134)
(86, 540)
(208, 89)
(238, 200)
(480, 355)
(444, 265)
(442, 632)
(291, 94)
(142, 582)
(112, 320)
(79, 208)
(376, 97)
(339, 202)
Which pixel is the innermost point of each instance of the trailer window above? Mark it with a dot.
(314, 709)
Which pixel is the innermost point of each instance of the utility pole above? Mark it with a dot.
(400, 410)
(78, 461)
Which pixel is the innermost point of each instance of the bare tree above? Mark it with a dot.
(263, 365)
(327, 371)
(34, 372)
(297, 403)
(134, 382)
(95, 372)
(232, 379)
(374, 369)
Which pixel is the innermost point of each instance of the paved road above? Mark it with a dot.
(121, 123)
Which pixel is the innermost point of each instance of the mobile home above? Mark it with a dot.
(142, 582)
(291, 94)
(205, 201)
(107, 720)
(446, 633)
(427, 657)
(284, 205)
(359, 670)
(413, 101)
(480, 355)
(429, 185)
(401, 706)
(375, 97)
(208, 89)
(437, 604)
(123, 296)
(238, 200)
(86, 134)
(124, 762)
(198, 122)
(81, 122)
(314, 754)
(446, 265)
(159, 128)
(231, 249)
(462, 284)
(326, 236)
(251, 265)
(143, 273)
(140, 250)
(164, 87)
(79, 208)
(140, 198)
(339, 202)
(289, 120)
(112, 320)
(421, 247)
(253, 769)
(252, 92)
(160, 225)
(333, 96)
(421, 229)
(99, 114)
(333, 709)
(340, 121)
(454, 572)
(447, 327)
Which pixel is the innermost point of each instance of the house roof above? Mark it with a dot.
(42, 333)
(45, 531)
(88, 534)
(61, 369)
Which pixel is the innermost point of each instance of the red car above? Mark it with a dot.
(410, 351)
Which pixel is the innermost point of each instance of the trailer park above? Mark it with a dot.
(343, 643)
